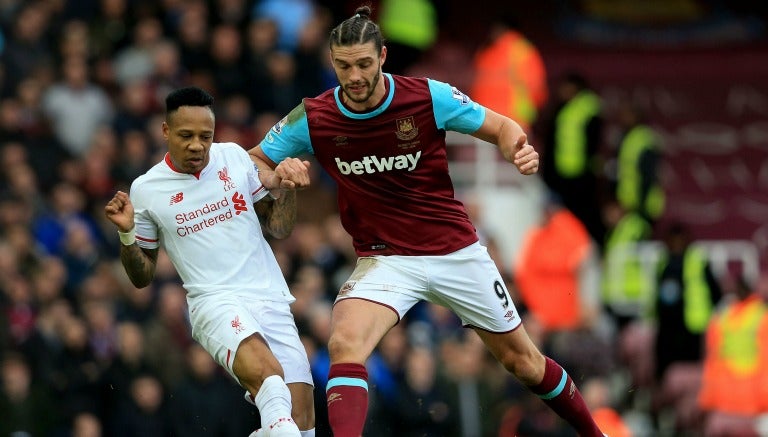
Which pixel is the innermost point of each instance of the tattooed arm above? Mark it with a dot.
(139, 263)
(278, 215)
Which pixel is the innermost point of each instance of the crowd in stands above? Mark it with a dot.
(84, 353)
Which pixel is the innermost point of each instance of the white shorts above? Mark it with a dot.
(221, 322)
(466, 281)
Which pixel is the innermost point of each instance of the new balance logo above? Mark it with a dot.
(176, 198)
(374, 164)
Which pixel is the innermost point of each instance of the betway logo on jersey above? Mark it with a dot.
(374, 164)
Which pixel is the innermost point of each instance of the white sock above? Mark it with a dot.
(308, 433)
(273, 401)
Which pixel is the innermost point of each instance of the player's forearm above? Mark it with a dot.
(282, 216)
(138, 265)
(509, 134)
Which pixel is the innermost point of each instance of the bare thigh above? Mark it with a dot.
(357, 326)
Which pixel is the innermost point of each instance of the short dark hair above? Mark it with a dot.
(189, 96)
(358, 29)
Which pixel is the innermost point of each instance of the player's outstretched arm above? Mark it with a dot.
(279, 216)
(291, 173)
(511, 140)
(138, 263)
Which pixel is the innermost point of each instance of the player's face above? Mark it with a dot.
(189, 134)
(358, 70)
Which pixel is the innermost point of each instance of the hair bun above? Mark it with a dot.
(363, 11)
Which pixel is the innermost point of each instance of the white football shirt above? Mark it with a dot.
(207, 224)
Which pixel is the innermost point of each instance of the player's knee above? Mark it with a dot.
(528, 367)
(304, 416)
(343, 347)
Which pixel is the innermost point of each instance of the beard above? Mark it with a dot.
(371, 88)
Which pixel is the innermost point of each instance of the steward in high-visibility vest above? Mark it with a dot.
(510, 77)
(571, 161)
(685, 299)
(627, 288)
(410, 28)
(548, 269)
(735, 379)
(637, 185)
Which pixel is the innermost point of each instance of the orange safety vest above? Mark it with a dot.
(735, 379)
(510, 78)
(611, 423)
(547, 270)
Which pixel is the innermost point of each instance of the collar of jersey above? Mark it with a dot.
(169, 162)
(375, 112)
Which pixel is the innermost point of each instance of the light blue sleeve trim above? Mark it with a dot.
(558, 389)
(352, 382)
(375, 112)
(287, 139)
(454, 110)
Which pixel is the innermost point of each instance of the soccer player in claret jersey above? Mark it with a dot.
(382, 139)
(204, 204)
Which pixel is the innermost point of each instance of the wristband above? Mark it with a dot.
(127, 238)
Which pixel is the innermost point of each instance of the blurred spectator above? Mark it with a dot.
(18, 306)
(67, 204)
(626, 286)
(75, 128)
(572, 133)
(227, 57)
(134, 107)
(638, 184)
(25, 408)
(510, 77)
(129, 364)
(135, 61)
(734, 387)
(111, 29)
(103, 333)
(74, 380)
(168, 73)
(193, 35)
(44, 345)
(26, 48)
(86, 425)
(202, 404)
(597, 395)
(557, 271)
(409, 28)
(168, 334)
(145, 413)
(421, 408)
(687, 294)
(290, 16)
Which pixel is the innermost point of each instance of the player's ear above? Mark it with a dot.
(166, 130)
(383, 56)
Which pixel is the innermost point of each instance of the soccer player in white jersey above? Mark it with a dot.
(204, 204)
